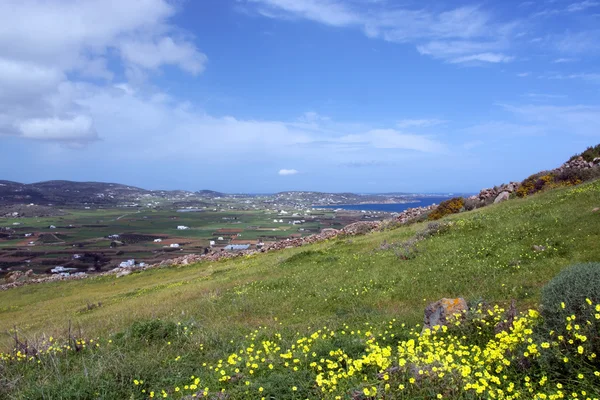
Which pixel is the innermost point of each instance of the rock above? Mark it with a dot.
(596, 209)
(444, 311)
(14, 276)
(538, 248)
(502, 197)
(29, 273)
(596, 160)
(123, 273)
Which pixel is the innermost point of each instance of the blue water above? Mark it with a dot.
(419, 202)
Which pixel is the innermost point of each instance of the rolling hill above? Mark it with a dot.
(231, 325)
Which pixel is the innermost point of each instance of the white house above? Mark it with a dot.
(52, 227)
(174, 245)
(281, 221)
(211, 243)
(127, 264)
(28, 234)
(182, 227)
(157, 240)
(220, 238)
(275, 221)
(59, 269)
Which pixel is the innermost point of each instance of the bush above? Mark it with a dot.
(589, 154)
(571, 176)
(447, 207)
(154, 329)
(536, 183)
(471, 204)
(433, 229)
(570, 293)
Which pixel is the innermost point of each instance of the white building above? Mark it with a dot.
(211, 243)
(220, 238)
(127, 264)
(59, 269)
(157, 240)
(182, 227)
(174, 245)
(52, 227)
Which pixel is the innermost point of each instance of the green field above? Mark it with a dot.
(82, 231)
(340, 284)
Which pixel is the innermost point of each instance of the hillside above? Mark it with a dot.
(67, 192)
(282, 299)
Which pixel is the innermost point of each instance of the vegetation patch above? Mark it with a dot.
(589, 154)
(447, 207)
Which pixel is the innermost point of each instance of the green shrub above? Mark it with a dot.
(472, 204)
(571, 176)
(570, 293)
(589, 154)
(535, 183)
(154, 329)
(447, 207)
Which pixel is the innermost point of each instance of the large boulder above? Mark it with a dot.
(501, 197)
(444, 311)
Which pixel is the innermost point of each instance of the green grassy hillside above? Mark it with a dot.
(384, 279)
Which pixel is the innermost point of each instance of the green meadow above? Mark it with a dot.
(163, 326)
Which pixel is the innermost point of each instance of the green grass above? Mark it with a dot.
(485, 254)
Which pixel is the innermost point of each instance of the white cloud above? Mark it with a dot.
(585, 76)
(49, 49)
(523, 74)
(390, 139)
(563, 60)
(153, 54)
(464, 34)
(77, 129)
(582, 5)
(575, 119)
(483, 57)
(325, 11)
(418, 123)
(285, 172)
(544, 96)
(575, 43)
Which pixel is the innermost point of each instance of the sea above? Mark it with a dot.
(398, 207)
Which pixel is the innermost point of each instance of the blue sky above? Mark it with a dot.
(272, 95)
